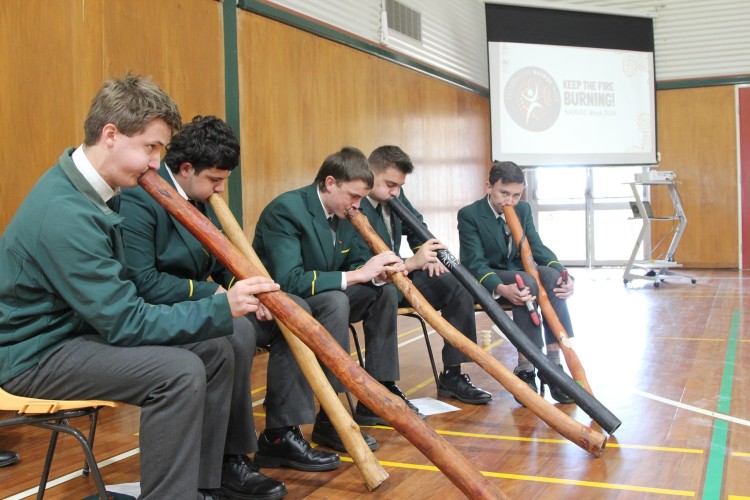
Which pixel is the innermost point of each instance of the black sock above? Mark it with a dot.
(277, 433)
(453, 370)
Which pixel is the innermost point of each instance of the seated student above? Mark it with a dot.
(168, 265)
(304, 239)
(73, 327)
(390, 166)
(488, 252)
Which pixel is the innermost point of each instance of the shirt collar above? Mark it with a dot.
(176, 184)
(373, 202)
(328, 214)
(93, 177)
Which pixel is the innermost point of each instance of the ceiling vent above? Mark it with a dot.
(404, 20)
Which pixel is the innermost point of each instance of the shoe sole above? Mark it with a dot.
(323, 440)
(275, 463)
(444, 393)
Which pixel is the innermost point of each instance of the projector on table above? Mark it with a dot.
(655, 176)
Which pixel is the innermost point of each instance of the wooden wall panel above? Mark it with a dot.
(303, 97)
(55, 55)
(37, 116)
(697, 140)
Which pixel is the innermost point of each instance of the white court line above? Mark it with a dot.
(73, 475)
(695, 409)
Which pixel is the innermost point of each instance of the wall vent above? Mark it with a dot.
(404, 20)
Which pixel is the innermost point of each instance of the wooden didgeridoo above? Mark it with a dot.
(457, 468)
(588, 403)
(372, 472)
(548, 312)
(588, 439)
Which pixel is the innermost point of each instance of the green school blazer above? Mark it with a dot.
(483, 252)
(165, 261)
(62, 275)
(293, 240)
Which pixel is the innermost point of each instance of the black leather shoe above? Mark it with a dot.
(529, 377)
(325, 433)
(241, 479)
(9, 458)
(459, 386)
(292, 450)
(554, 391)
(365, 416)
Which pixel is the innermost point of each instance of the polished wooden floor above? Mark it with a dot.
(671, 362)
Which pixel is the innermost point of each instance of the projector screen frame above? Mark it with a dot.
(582, 28)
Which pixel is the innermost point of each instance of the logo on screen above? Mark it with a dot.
(532, 99)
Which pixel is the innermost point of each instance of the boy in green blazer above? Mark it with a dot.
(168, 265)
(488, 251)
(390, 165)
(304, 239)
(73, 327)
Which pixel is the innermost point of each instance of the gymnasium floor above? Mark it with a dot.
(669, 362)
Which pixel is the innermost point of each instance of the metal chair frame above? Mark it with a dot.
(411, 313)
(53, 415)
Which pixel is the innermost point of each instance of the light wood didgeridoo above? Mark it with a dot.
(548, 312)
(372, 472)
(588, 403)
(457, 468)
(588, 439)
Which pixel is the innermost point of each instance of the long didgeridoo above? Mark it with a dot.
(457, 468)
(372, 472)
(597, 411)
(583, 436)
(548, 312)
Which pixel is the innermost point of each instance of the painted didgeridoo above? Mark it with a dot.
(457, 468)
(588, 439)
(548, 312)
(595, 409)
(372, 472)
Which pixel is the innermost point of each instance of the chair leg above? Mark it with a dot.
(62, 426)
(350, 400)
(428, 344)
(47, 463)
(357, 346)
(93, 419)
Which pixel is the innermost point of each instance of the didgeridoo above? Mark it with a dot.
(588, 439)
(372, 472)
(595, 409)
(548, 312)
(457, 468)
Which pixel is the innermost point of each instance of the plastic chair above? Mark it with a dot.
(53, 415)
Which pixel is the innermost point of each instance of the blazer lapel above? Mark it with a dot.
(322, 229)
(491, 229)
(186, 236)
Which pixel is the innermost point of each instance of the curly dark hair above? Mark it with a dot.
(205, 142)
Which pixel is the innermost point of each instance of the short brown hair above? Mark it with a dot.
(347, 165)
(130, 103)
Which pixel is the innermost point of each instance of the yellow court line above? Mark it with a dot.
(549, 480)
(737, 497)
(740, 454)
(501, 437)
